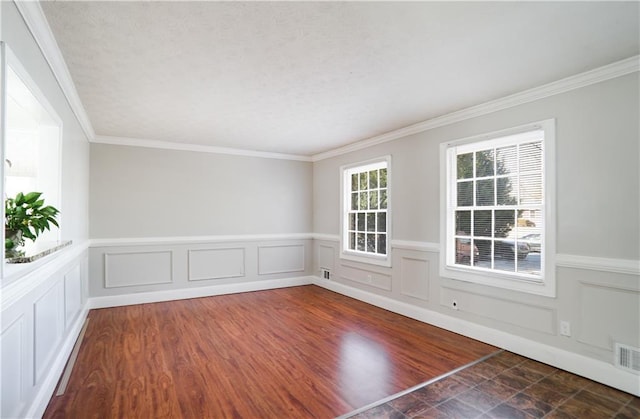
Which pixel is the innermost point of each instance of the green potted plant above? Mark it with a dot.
(25, 216)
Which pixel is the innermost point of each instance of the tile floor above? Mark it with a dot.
(508, 386)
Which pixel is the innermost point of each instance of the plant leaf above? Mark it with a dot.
(28, 214)
(32, 197)
(28, 234)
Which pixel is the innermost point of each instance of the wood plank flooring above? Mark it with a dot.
(292, 352)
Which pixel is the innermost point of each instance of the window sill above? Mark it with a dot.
(370, 260)
(545, 287)
(35, 251)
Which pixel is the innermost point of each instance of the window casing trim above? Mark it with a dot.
(453, 152)
(354, 255)
(491, 277)
(9, 61)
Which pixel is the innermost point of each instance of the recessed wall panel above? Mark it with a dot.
(13, 352)
(280, 259)
(72, 294)
(48, 327)
(516, 313)
(608, 314)
(372, 278)
(216, 263)
(414, 278)
(326, 257)
(137, 268)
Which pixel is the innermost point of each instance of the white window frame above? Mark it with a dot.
(545, 284)
(345, 189)
(9, 59)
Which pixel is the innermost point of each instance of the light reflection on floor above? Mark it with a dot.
(365, 371)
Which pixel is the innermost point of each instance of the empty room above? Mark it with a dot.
(320, 209)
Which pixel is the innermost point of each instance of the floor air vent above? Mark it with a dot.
(628, 358)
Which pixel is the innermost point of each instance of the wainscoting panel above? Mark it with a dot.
(13, 362)
(612, 314)
(72, 295)
(277, 259)
(326, 257)
(414, 278)
(186, 267)
(216, 263)
(42, 315)
(137, 268)
(372, 278)
(527, 316)
(48, 318)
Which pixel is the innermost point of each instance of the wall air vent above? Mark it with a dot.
(627, 357)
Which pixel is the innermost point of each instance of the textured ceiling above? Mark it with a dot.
(303, 78)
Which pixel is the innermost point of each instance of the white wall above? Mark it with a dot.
(598, 234)
(145, 192)
(44, 304)
(168, 224)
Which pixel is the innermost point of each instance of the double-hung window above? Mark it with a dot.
(365, 216)
(498, 214)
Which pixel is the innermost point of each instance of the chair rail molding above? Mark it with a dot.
(146, 241)
(621, 266)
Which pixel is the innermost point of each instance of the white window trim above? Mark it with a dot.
(510, 281)
(345, 253)
(9, 59)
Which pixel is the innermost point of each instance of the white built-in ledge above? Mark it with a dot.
(35, 251)
(19, 279)
(35, 258)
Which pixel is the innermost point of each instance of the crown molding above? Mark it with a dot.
(611, 71)
(37, 23)
(39, 27)
(169, 145)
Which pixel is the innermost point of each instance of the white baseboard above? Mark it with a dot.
(43, 397)
(593, 369)
(195, 292)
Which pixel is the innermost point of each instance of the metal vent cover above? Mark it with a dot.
(627, 357)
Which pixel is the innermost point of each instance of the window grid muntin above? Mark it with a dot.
(520, 140)
(358, 239)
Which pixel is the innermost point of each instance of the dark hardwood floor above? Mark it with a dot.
(506, 385)
(293, 352)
